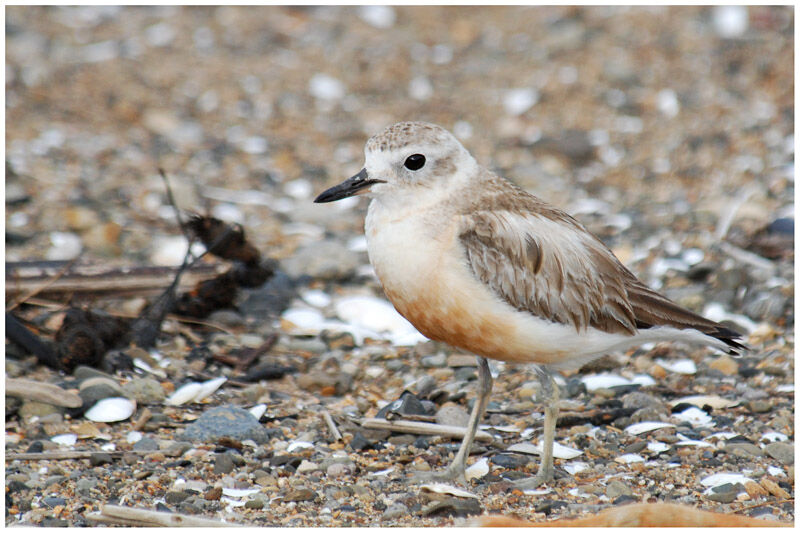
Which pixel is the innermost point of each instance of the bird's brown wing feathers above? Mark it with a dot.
(549, 269)
(544, 262)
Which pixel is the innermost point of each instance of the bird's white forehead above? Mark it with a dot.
(405, 134)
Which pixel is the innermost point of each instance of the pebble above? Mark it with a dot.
(395, 510)
(301, 494)
(759, 406)
(213, 494)
(146, 444)
(325, 260)
(726, 365)
(452, 415)
(255, 503)
(144, 390)
(100, 458)
(745, 448)
(437, 360)
(453, 507)
(174, 497)
(781, 451)
(226, 421)
(506, 460)
(223, 464)
(337, 470)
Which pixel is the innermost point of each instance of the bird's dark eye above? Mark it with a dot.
(415, 162)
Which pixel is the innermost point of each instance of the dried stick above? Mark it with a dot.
(39, 288)
(331, 425)
(128, 516)
(423, 428)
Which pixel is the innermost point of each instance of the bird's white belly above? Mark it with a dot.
(425, 275)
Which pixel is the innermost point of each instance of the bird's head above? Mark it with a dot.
(406, 156)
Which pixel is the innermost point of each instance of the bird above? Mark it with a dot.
(475, 261)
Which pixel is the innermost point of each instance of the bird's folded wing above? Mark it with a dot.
(550, 266)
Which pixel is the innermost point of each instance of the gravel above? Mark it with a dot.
(649, 125)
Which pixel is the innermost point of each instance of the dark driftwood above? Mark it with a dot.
(83, 281)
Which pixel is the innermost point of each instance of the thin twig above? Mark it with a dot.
(423, 428)
(129, 516)
(763, 504)
(331, 425)
(145, 415)
(78, 454)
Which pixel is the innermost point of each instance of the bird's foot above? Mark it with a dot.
(530, 483)
(452, 473)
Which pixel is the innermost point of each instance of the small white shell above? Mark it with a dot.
(559, 451)
(183, 394)
(65, 439)
(685, 441)
(134, 437)
(721, 478)
(477, 470)
(111, 410)
(716, 402)
(381, 472)
(207, 388)
(657, 446)
(258, 410)
(573, 467)
(298, 445)
(696, 417)
(644, 427)
(630, 458)
(774, 436)
(603, 381)
(194, 392)
(681, 366)
(239, 493)
(441, 488)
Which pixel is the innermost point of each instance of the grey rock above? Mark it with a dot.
(100, 458)
(146, 444)
(144, 390)
(31, 408)
(438, 360)
(54, 480)
(617, 488)
(226, 421)
(54, 501)
(255, 503)
(453, 507)
(638, 400)
(223, 464)
(94, 393)
(724, 496)
(744, 449)
(452, 415)
(270, 299)
(759, 406)
(85, 484)
(781, 451)
(83, 373)
(174, 497)
(396, 510)
(325, 260)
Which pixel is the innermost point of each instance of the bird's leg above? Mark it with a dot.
(550, 399)
(456, 469)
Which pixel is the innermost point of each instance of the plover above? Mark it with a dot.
(474, 261)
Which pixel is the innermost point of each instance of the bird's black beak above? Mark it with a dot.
(350, 187)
